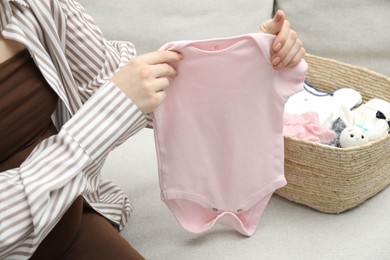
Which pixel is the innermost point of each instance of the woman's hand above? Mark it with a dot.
(145, 78)
(287, 50)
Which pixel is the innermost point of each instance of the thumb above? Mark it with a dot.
(275, 25)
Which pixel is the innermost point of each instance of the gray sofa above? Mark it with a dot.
(353, 31)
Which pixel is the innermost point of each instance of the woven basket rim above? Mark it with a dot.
(339, 149)
(355, 67)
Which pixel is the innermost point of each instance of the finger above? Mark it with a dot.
(294, 55)
(161, 57)
(160, 84)
(284, 53)
(276, 24)
(281, 37)
(159, 97)
(163, 70)
(297, 58)
(263, 26)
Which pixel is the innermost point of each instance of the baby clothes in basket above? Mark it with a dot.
(219, 132)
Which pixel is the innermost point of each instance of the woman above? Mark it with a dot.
(67, 98)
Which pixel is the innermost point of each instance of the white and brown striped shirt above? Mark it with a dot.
(93, 117)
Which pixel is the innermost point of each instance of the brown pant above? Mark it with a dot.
(84, 234)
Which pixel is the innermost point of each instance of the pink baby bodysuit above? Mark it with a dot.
(219, 132)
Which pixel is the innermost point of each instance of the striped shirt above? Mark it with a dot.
(93, 117)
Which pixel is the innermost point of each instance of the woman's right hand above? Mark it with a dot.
(145, 78)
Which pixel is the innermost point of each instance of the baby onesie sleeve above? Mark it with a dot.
(289, 81)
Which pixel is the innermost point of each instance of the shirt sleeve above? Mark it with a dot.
(64, 166)
(106, 57)
(59, 168)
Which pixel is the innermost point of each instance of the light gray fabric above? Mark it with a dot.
(353, 31)
(286, 231)
(150, 23)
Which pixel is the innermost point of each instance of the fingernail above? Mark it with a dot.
(278, 67)
(277, 47)
(275, 61)
(277, 17)
(181, 56)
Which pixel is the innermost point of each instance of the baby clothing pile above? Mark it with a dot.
(321, 116)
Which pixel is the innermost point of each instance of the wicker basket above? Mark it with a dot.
(331, 179)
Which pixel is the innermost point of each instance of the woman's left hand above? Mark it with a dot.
(287, 50)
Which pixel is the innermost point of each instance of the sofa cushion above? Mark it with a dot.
(149, 24)
(353, 31)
